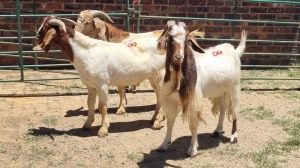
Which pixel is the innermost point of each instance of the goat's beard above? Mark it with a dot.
(176, 77)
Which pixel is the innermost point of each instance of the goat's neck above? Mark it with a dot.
(114, 34)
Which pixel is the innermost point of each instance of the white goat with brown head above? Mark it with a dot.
(100, 63)
(191, 76)
(90, 24)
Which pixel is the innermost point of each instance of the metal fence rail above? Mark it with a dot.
(20, 53)
(135, 11)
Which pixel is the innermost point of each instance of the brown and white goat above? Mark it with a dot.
(101, 64)
(90, 24)
(191, 76)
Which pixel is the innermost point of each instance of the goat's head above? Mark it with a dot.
(90, 24)
(177, 43)
(173, 41)
(53, 32)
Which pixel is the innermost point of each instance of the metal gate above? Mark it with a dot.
(135, 11)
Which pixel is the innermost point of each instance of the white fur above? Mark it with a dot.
(85, 21)
(100, 64)
(218, 78)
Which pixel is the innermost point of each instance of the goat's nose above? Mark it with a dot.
(178, 57)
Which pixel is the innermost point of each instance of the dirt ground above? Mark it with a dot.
(40, 125)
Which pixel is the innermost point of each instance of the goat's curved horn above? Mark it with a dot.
(168, 25)
(72, 21)
(97, 13)
(46, 18)
(59, 23)
(182, 24)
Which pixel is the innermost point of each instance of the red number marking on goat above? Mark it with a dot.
(216, 53)
(131, 44)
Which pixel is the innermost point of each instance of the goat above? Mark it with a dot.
(90, 24)
(100, 63)
(190, 76)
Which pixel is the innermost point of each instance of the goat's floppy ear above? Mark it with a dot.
(100, 25)
(51, 33)
(162, 39)
(162, 45)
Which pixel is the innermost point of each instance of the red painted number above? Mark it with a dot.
(216, 53)
(131, 44)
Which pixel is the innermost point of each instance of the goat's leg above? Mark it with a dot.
(172, 111)
(223, 106)
(194, 123)
(234, 132)
(122, 105)
(91, 100)
(158, 116)
(234, 110)
(103, 97)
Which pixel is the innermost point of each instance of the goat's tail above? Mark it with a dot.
(241, 48)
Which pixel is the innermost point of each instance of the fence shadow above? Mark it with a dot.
(177, 150)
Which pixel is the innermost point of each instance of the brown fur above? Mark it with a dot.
(114, 34)
(188, 83)
(184, 75)
(54, 36)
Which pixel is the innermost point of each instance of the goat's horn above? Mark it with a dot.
(97, 13)
(182, 24)
(169, 23)
(72, 21)
(46, 18)
(59, 23)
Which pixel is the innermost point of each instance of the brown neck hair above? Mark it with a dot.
(61, 42)
(114, 34)
(184, 75)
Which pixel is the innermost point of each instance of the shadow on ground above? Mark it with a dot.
(129, 109)
(115, 127)
(177, 151)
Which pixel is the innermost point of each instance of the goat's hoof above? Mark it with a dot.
(234, 140)
(156, 126)
(121, 111)
(162, 149)
(102, 132)
(86, 127)
(216, 134)
(192, 151)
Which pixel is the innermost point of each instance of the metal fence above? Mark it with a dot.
(136, 12)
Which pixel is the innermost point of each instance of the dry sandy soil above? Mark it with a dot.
(40, 125)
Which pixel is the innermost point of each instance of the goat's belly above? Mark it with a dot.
(213, 87)
(214, 90)
(128, 79)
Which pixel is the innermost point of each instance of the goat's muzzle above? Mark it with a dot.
(177, 59)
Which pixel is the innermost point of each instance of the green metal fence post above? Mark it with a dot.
(138, 17)
(36, 61)
(234, 17)
(127, 16)
(20, 40)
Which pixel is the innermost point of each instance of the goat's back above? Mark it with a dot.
(218, 67)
